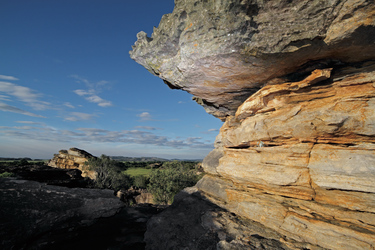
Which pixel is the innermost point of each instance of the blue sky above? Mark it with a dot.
(66, 80)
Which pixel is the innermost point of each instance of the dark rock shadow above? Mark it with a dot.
(193, 222)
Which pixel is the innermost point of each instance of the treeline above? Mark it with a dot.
(15, 159)
(138, 159)
(124, 165)
(20, 162)
(164, 181)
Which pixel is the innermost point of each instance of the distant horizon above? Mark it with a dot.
(169, 159)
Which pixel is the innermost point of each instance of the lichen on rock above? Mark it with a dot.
(294, 82)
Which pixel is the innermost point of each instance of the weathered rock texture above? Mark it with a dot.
(73, 158)
(40, 216)
(223, 51)
(48, 175)
(32, 215)
(294, 82)
(134, 196)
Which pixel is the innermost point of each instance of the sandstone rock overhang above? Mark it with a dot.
(295, 83)
(224, 51)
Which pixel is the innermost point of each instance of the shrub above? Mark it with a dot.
(108, 173)
(141, 181)
(6, 175)
(166, 183)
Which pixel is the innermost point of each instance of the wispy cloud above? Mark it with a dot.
(147, 128)
(69, 105)
(78, 116)
(94, 135)
(145, 116)
(30, 122)
(210, 131)
(91, 94)
(8, 108)
(8, 78)
(24, 94)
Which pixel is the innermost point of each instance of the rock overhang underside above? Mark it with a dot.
(222, 52)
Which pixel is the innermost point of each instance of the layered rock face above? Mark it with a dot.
(73, 158)
(294, 82)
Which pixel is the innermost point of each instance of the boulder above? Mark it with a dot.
(134, 196)
(294, 82)
(73, 158)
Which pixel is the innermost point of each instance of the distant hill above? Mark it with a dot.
(137, 159)
(192, 160)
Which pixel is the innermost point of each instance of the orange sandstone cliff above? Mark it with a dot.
(294, 82)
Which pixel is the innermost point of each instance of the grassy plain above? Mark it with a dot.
(138, 171)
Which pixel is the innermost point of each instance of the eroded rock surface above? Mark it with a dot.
(224, 51)
(40, 216)
(294, 82)
(48, 175)
(32, 214)
(73, 158)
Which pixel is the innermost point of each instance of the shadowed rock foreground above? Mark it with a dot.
(34, 215)
(294, 82)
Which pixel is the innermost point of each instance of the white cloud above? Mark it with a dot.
(78, 116)
(145, 116)
(101, 102)
(28, 122)
(147, 128)
(90, 95)
(69, 105)
(210, 131)
(24, 94)
(103, 141)
(8, 108)
(81, 92)
(5, 98)
(8, 78)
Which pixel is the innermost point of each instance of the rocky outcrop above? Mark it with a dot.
(73, 158)
(48, 175)
(294, 82)
(33, 215)
(40, 216)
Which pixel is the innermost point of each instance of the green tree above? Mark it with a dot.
(141, 181)
(167, 182)
(108, 173)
